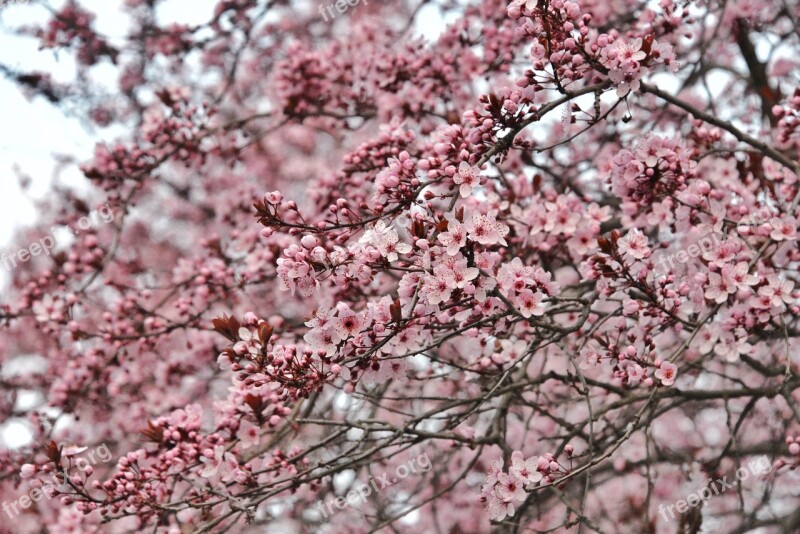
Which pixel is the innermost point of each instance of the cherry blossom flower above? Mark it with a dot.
(731, 346)
(498, 508)
(778, 290)
(467, 177)
(666, 373)
(347, 323)
(530, 303)
(783, 229)
(220, 463)
(510, 487)
(525, 470)
(322, 340)
(630, 52)
(437, 290)
(455, 237)
(49, 308)
(248, 343)
(485, 229)
(719, 288)
(248, 435)
(634, 244)
(386, 240)
(27, 471)
(626, 80)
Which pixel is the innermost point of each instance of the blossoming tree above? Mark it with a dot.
(339, 246)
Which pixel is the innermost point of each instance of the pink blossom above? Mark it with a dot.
(455, 237)
(467, 177)
(783, 229)
(666, 373)
(634, 244)
(485, 229)
(525, 470)
(27, 471)
(778, 290)
(510, 487)
(530, 303)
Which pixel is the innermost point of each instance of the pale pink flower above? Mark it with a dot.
(223, 464)
(493, 472)
(783, 229)
(273, 197)
(48, 309)
(634, 243)
(455, 237)
(626, 81)
(498, 508)
(467, 177)
(666, 373)
(385, 239)
(779, 291)
(347, 323)
(530, 303)
(437, 290)
(247, 434)
(510, 487)
(321, 317)
(525, 470)
(740, 276)
(485, 229)
(629, 52)
(460, 275)
(322, 339)
(248, 343)
(731, 348)
(718, 288)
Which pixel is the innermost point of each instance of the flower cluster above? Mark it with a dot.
(657, 167)
(72, 26)
(503, 491)
(526, 287)
(788, 127)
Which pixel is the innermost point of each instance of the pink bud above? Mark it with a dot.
(309, 241)
(543, 463)
(630, 307)
(27, 471)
